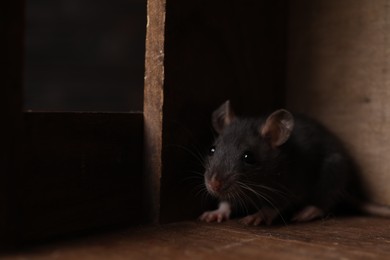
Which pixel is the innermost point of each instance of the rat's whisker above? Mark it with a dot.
(198, 156)
(242, 185)
(265, 198)
(202, 189)
(241, 196)
(240, 202)
(246, 198)
(281, 193)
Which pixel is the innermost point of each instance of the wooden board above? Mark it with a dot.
(344, 238)
(338, 72)
(153, 106)
(61, 172)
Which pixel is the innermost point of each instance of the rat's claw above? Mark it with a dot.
(218, 215)
(265, 215)
(307, 214)
(215, 215)
(254, 219)
(222, 217)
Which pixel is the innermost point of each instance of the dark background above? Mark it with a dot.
(85, 55)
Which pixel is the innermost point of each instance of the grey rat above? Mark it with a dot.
(279, 167)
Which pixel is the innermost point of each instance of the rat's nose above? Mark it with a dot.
(215, 184)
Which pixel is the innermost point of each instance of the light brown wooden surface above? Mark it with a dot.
(338, 238)
(338, 72)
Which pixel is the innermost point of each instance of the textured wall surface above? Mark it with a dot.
(338, 72)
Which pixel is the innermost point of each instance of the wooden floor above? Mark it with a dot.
(338, 238)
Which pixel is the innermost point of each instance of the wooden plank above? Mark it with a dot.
(153, 105)
(343, 238)
(61, 172)
(339, 60)
(11, 53)
(80, 171)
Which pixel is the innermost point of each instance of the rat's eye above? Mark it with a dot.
(249, 158)
(212, 150)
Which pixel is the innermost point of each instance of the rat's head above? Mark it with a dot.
(245, 151)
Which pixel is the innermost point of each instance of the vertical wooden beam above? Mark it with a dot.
(11, 53)
(153, 105)
(339, 73)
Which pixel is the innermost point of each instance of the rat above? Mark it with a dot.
(281, 167)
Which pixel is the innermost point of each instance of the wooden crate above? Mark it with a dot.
(324, 58)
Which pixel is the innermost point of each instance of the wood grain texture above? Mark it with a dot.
(153, 105)
(349, 238)
(338, 72)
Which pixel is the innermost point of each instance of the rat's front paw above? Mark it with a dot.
(254, 219)
(215, 215)
(266, 216)
(307, 214)
(218, 215)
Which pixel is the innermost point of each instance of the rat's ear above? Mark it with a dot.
(222, 117)
(278, 127)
